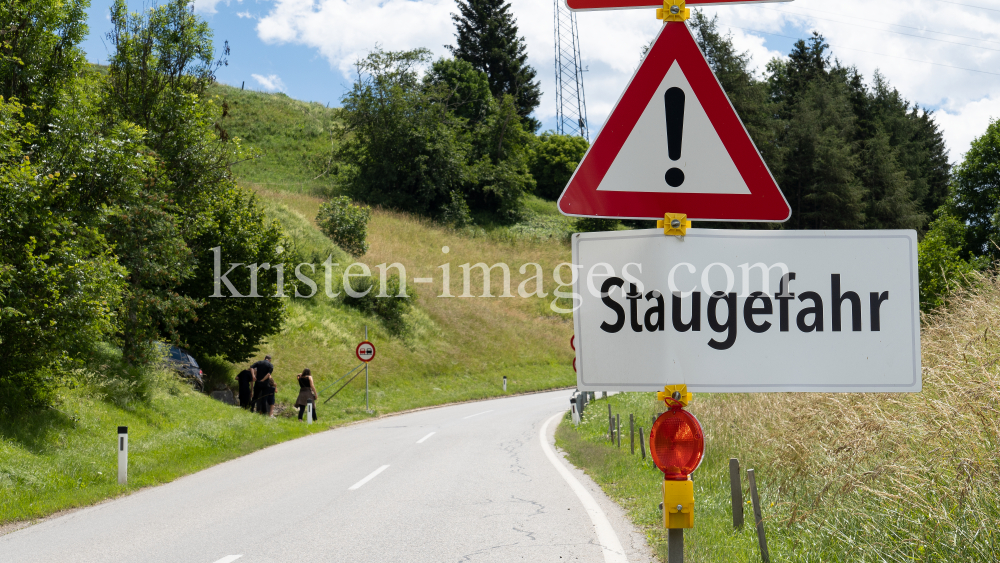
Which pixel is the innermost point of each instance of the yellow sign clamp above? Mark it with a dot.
(675, 224)
(673, 11)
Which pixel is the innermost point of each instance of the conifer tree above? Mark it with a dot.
(748, 95)
(486, 36)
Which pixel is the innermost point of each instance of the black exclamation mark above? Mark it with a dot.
(673, 101)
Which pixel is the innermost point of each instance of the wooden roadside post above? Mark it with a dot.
(736, 491)
(642, 447)
(761, 539)
(611, 425)
(618, 429)
(631, 434)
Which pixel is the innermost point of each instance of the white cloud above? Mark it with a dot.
(916, 53)
(245, 15)
(207, 6)
(344, 30)
(270, 82)
(611, 41)
(962, 124)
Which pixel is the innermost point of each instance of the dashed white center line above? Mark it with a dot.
(229, 559)
(477, 414)
(370, 476)
(421, 441)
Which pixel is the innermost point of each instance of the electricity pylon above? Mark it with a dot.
(571, 105)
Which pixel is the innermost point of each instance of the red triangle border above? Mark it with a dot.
(674, 43)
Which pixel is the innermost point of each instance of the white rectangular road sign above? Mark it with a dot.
(747, 311)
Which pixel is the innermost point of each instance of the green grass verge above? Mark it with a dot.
(66, 457)
(636, 484)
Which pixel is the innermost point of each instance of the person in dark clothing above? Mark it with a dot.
(263, 387)
(266, 402)
(307, 393)
(245, 380)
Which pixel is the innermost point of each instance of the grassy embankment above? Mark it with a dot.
(457, 348)
(865, 477)
(65, 457)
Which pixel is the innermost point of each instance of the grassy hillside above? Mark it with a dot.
(292, 138)
(842, 477)
(457, 348)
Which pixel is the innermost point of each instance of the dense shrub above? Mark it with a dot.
(217, 371)
(941, 265)
(346, 223)
(434, 146)
(59, 282)
(388, 305)
(116, 381)
(595, 224)
(553, 160)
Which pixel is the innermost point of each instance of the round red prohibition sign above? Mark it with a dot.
(365, 351)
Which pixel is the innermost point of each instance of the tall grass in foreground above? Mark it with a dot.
(844, 477)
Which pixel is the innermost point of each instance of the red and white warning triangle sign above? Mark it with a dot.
(674, 144)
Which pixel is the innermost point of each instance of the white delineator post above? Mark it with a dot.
(576, 412)
(505, 384)
(309, 412)
(122, 455)
(367, 409)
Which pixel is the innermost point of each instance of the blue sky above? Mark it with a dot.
(940, 54)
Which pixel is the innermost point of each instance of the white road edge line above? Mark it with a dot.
(421, 441)
(229, 559)
(370, 476)
(477, 414)
(606, 536)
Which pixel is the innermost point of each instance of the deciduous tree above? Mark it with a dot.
(977, 192)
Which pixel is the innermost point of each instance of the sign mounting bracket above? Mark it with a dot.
(673, 11)
(675, 224)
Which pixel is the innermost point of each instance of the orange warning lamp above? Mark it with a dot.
(677, 443)
(677, 446)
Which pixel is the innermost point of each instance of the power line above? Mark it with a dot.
(867, 52)
(894, 25)
(968, 5)
(887, 30)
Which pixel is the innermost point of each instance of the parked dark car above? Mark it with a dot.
(184, 365)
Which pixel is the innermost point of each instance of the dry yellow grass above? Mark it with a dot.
(883, 477)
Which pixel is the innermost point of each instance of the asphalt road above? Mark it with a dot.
(469, 482)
